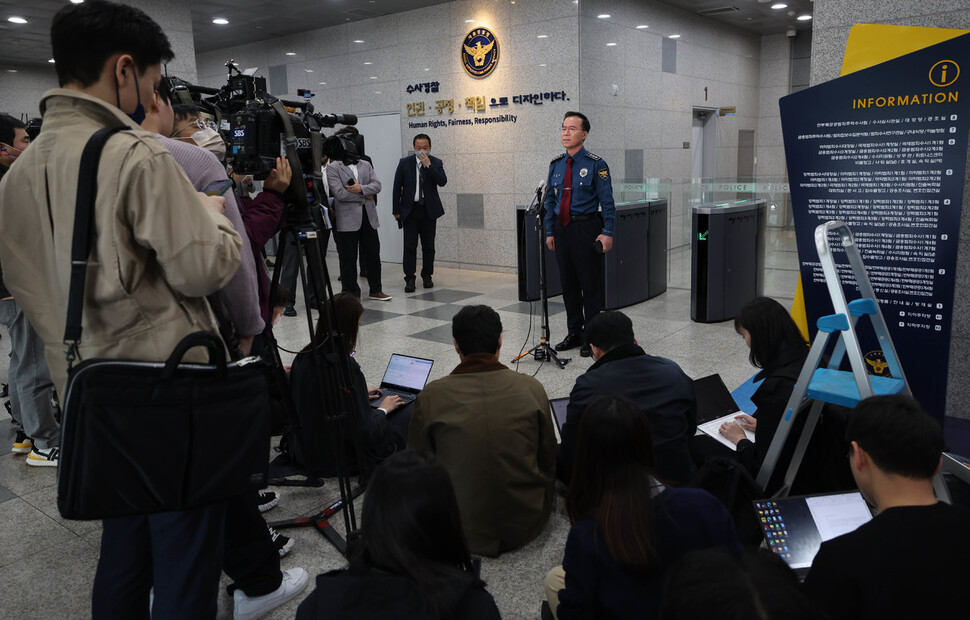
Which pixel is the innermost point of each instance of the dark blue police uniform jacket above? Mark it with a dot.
(592, 189)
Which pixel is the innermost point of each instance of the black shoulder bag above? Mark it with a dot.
(143, 436)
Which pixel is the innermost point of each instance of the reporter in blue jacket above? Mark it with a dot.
(579, 186)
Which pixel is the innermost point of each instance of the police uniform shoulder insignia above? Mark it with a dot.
(593, 156)
(557, 158)
(604, 173)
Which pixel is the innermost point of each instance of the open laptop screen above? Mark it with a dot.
(410, 373)
(713, 399)
(795, 527)
(559, 406)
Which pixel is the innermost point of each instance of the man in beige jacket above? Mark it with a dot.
(158, 248)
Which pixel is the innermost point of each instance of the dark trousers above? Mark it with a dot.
(580, 271)
(418, 224)
(290, 269)
(369, 242)
(179, 553)
(251, 559)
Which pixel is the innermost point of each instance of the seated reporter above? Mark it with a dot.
(383, 430)
(910, 560)
(779, 350)
(657, 385)
(491, 428)
(627, 527)
(411, 560)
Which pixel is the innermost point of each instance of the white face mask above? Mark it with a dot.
(210, 140)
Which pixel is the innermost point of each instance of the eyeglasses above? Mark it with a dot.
(198, 123)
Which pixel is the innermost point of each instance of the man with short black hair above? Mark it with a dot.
(158, 248)
(910, 561)
(657, 385)
(491, 429)
(417, 208)
(579, 227)
(13, 141)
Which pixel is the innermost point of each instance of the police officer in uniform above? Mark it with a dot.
(579, 186)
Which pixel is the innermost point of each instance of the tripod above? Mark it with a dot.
(329, 352)
(543, 351)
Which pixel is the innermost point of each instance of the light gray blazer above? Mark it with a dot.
(346, 203)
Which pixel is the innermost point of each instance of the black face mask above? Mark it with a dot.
(138, 116)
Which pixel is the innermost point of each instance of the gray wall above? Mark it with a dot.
(20, 92)
(833, 19)
(652, 111)
(774, 83)
(493, 167)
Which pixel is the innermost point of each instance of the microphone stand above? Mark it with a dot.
(543, 351)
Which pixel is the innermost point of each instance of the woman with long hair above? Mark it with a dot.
(779, 350)
(627, 527)
(383, 430)
(411, 560)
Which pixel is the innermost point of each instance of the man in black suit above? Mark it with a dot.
(417, 207)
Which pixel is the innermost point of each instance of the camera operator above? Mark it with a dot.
(189, 126)
(238, 302)
(251, 558)
(159, 248)
(263, 217)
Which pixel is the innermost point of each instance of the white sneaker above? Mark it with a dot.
(43, 458)
(252, 607)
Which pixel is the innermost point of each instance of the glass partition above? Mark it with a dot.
(781, 258)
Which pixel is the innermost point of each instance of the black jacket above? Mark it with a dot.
(405, 186)
(662, 391)
(780, 376)
(376, 595)
(381, 435)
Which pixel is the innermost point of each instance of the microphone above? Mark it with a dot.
(539, 190)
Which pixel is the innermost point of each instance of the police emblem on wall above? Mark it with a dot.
(479, 53)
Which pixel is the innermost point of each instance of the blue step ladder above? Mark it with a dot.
(829, 384)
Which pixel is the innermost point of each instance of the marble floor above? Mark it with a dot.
(47, 563)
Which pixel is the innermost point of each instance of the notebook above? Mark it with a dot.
(405, 376)
(795, 527)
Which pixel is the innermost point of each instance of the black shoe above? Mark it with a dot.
(428, 282)
(570, 342)
(289, 311)
(585, 351)
(408, 285)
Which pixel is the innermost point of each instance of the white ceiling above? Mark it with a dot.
(255, 20)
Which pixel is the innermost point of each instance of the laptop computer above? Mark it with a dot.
(713, 399)
(405, 377)
(558, 406)
(795, 527)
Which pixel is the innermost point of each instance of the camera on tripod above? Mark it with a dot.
(256, 130)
